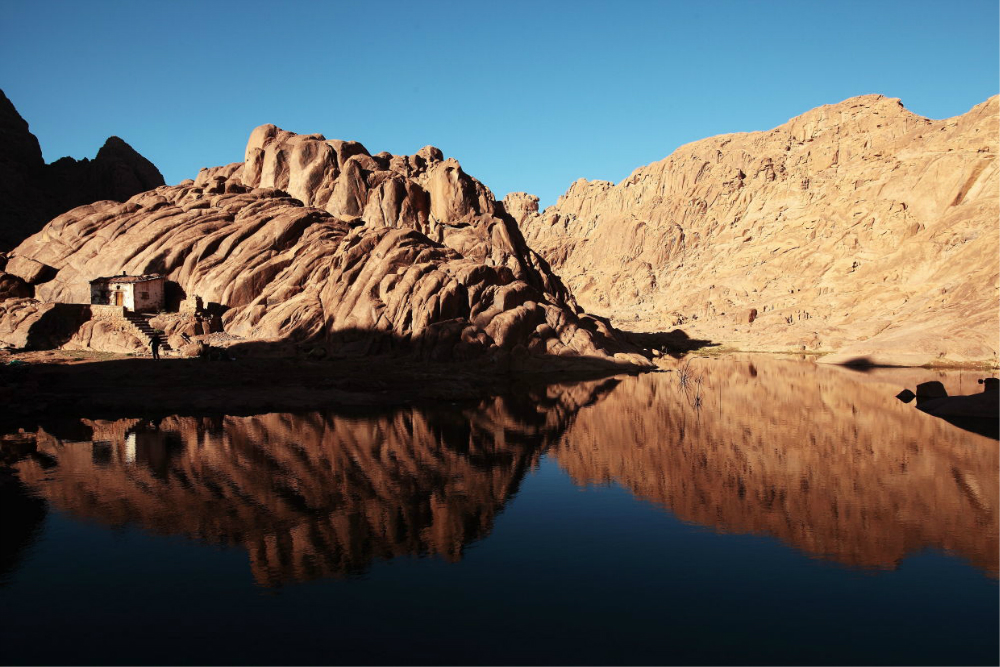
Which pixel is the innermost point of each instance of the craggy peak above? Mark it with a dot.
(32, 192)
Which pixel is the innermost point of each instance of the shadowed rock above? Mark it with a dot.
(32, 192)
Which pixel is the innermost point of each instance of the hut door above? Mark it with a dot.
(119, 298)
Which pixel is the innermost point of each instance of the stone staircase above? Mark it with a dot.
(141, 327)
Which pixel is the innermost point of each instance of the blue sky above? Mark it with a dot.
(526, 95)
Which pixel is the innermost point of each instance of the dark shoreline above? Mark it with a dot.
(66, 385)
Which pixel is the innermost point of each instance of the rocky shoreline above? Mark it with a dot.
(57, 384)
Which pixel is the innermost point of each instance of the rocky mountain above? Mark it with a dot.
(32, 192)
(316, 240)
(857, 228)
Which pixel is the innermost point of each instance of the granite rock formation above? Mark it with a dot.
(32, 192)
(27, 323)
(317, 241)
(858, 228)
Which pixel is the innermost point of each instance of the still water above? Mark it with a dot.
(766, 511)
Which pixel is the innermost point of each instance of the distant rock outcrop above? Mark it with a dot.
(316, 240)
(858, 228)
(32, 192)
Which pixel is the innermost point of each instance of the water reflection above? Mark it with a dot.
(21, 512)
(822, 458)
(827, 461)
(309, 495)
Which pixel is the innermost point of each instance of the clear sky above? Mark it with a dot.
(526, 95)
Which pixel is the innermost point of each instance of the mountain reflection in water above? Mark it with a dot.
(823, 459)
(309, 495)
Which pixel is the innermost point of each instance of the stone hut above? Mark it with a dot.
(140, 294)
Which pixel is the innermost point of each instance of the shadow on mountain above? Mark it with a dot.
(675, 343)
(56, 325)
(348, 367)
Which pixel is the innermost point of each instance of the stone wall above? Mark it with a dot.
(191, 305)
(147, 296)
(99, 312)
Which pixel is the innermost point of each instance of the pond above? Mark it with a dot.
(751, 510)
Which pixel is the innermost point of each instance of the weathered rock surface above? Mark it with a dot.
(105, 336)
(425, 192)
(27, 323)
(857, 228)
(372, 254)
(31, 192)
(17, 315)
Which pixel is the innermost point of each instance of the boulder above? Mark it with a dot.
(928, 390)
(105, 336)
(193, 349)
(30, 271)
(28, 324)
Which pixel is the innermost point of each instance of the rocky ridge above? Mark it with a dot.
(33, 192)
(857, 228)
(317, 241)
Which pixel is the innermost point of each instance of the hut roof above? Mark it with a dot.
(111, 280)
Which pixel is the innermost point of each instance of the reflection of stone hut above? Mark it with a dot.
(136, 293)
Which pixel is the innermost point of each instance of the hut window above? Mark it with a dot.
(144, 295)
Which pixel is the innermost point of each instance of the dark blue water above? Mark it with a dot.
(509, 533)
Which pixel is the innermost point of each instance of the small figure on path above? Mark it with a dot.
(154, 345)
